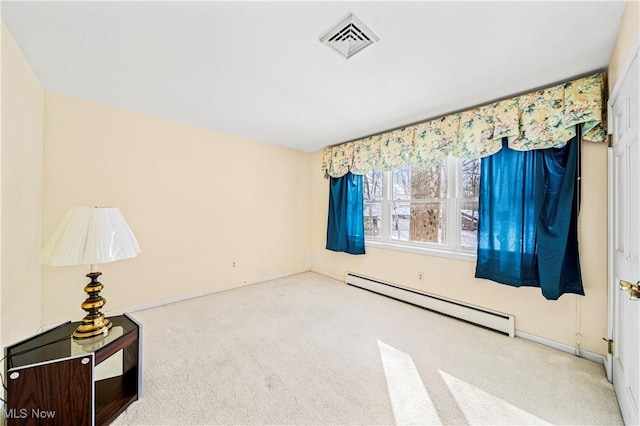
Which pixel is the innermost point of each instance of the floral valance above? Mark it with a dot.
(535, 120)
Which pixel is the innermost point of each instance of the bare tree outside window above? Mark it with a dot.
(424, 217)
(470, 186)
(372, 188)
(372, 185)
(470, 178)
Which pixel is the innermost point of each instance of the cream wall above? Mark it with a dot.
(558, 320)
(20, 194)
(626, 42)
(196, 200)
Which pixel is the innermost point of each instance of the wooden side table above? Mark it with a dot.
(51, 377)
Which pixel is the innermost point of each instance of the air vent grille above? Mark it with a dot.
(349, 37)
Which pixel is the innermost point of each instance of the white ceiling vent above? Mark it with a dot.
(349, 37)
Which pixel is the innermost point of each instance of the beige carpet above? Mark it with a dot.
(310, 350)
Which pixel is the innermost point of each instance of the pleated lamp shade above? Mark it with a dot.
(90, 236)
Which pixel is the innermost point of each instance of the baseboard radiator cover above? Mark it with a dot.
(498, 321)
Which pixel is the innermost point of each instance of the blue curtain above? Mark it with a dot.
(345, 227)
(528, 210)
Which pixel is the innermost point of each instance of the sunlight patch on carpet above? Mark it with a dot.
(410, 401)
(480, 407)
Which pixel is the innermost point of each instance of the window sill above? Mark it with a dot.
(427, 251)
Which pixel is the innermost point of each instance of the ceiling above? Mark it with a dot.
(258, 69)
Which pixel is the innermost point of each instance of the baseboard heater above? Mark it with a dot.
(504, 323)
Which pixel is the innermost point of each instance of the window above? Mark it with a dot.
(434, 207)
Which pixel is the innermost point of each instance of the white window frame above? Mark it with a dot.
(453, 203)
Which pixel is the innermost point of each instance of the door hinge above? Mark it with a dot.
(610, 140)
(610, 347)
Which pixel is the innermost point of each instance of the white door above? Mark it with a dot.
(626, 244)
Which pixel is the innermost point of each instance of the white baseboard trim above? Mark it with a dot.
(182, 298)
(328, 274)
(176, 299)
(561, 346)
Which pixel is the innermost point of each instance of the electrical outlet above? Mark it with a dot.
(234, 264)
(420, 276)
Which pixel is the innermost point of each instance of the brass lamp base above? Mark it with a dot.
(94, 323)
(86, 329)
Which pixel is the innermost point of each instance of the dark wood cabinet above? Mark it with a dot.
(54, 379)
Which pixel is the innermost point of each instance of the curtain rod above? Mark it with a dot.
(566, 80)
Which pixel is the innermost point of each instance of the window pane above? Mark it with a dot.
(400, 213)
(402, 183)
(411, 182)
(469, 224)
(372, 220)
(470, 178)
(429, 182)
(372, 185)
(418, 222)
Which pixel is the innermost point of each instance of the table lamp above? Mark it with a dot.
(90, 236)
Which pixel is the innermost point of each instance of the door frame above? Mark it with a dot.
(608, 364)
(608, 361)
(612, 285)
